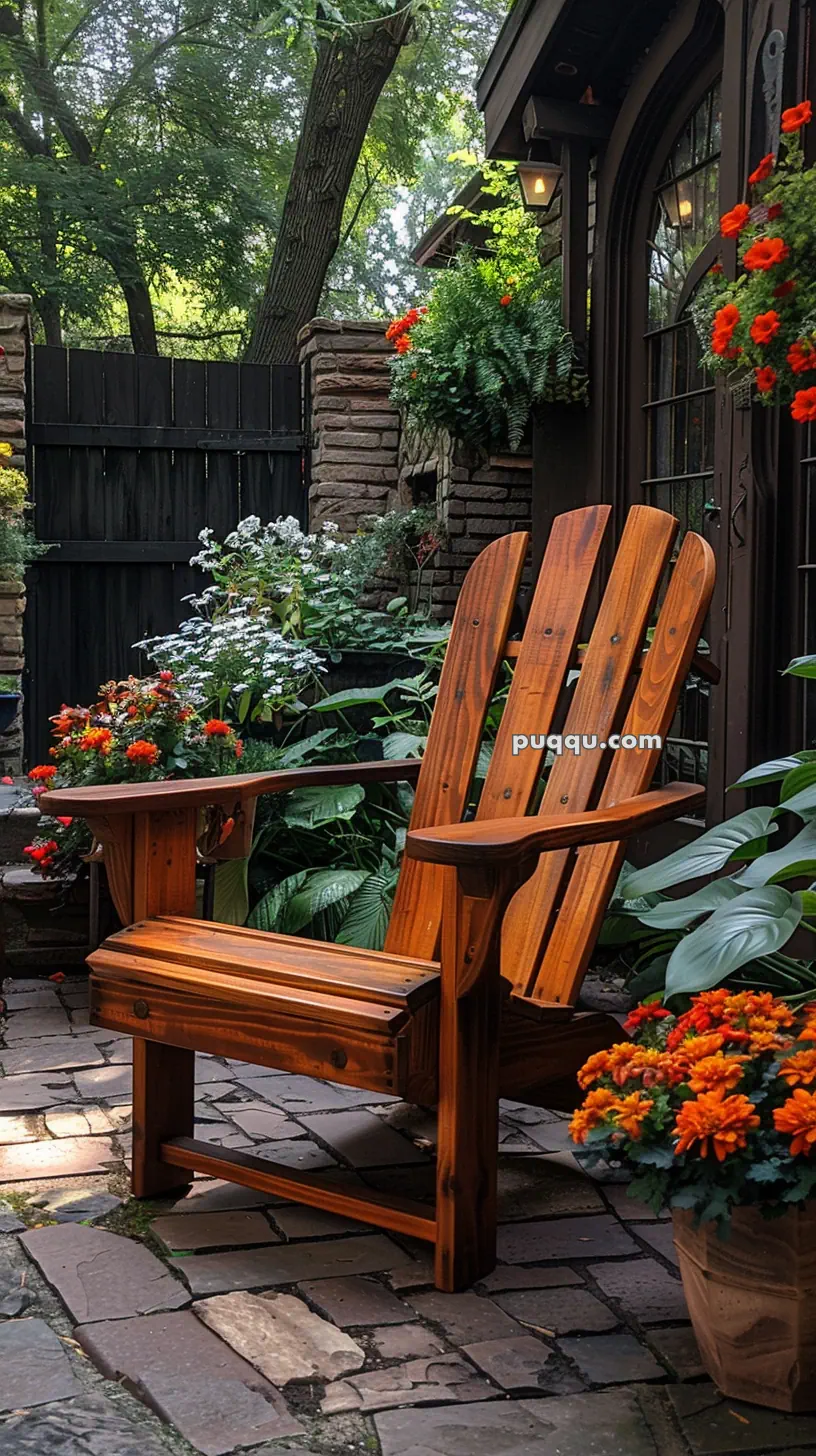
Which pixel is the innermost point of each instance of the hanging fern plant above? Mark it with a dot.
(487, 349)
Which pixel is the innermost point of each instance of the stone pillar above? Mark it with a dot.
(15, 340)
(354, 427)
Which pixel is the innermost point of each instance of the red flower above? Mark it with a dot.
(96, 738)
(65, 820)
(763, 170)
(58, 977)
(42, 773)
(803, 408)
(732, 223)
(764, 327)
(142, 752)
(7, 779)
(716, 268)
(639, 1014)
(505, 299)
(766, 379)
(783, 289)
(165, 676)
(403, 344)
(239, 748)
(774, 211)
(765, 253)
(801, 356)
(217, 728)
(797, 116)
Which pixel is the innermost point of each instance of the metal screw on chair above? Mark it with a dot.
(141, 1009)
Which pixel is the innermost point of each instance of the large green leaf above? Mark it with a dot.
(801, 796)
(757, 924)
(802, 667)
(704, 856)
(321, 889)
(322, 804)
(297, 753)
(677, 914)
(357, 698)
(404, 745)
(268, 913)
(773, 771)
(369, 911)
(231, 899)
(798, 857)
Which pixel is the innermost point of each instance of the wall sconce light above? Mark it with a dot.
(678, 203)
(538, 183)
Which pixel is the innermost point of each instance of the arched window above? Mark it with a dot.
(679, 405)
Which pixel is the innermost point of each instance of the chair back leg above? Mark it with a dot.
(163, 1102)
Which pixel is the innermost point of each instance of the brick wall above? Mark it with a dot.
(15, 335)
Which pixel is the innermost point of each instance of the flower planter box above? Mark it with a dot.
(752, 1302)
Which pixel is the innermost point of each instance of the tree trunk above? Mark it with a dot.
(349, 76)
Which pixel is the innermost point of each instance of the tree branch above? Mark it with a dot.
(144, 65)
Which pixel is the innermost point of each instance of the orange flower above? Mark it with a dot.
(803, 408)
(732, 223)
(765, 327)
(505, 299)
(239, 748)
(767, 1041)
(763, 170)
(217, 728)
(802, 356)
(403, 344)
(766, 379)
(631, 1113)
(99, 739)
(717, 1071)
(798, 1116)
(142, 752)
(727, 317)
(43, 773)
(796, 116)
(715, 1121)
(765, 253)
(800, 1069)
(596, 1107)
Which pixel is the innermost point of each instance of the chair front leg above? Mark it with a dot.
(469, 1026)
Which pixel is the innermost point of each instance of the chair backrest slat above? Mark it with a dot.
(561, 969)
(597, 709)
(472, 661)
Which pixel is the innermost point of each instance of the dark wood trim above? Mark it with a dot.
(118, 553)
(575, 215)
(545, 120)
(164, 437)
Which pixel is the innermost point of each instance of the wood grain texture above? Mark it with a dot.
(402, 1215)
(597, 708)
(114, 832)
(163, 1097)
(468, 678)
(164, 862)
(752, 1302)
(651, 711)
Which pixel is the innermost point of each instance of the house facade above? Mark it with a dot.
(656, 111)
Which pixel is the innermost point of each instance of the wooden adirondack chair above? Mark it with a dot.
(494, 920)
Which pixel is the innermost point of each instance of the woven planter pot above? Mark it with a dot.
(752, 1302)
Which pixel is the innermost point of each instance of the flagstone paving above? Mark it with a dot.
(227, 1320)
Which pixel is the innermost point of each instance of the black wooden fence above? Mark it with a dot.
(129, 458)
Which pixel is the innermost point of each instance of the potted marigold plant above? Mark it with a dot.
(714, 1113)
(760, 328)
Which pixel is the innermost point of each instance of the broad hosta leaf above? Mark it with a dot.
(757, 924)
(705, 856)
(798, 857)
(677, 914)
(322, 804)
(321, 889)
(297, 753)
(404, 745)
(369, 911)
(774, 770)
(357, 698)
(231, 899)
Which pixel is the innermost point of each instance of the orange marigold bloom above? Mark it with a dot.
(800, 1069)
(765, 253)
(217, 728)
(803, 408)
(605, 1062)
(597, 1105)
(762, 170)
(767, 1041)
(802, 356)
(718, 1071)
(732, 223)
(716, 1122)
(142, 752)
(631, 1113)
(765, 327)
(765, 379)
(42, 772)
(99, 739)
(798, 1116)
(797, 116)
(403, 344)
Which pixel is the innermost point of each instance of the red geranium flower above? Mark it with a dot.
(732, 223)
(766, 379)
(217, 728)
(142, 752)
(763, 170)
(765, 253)
(803, 408)
(42, 773)
(801, 356)
(765, 326)
(797, 116)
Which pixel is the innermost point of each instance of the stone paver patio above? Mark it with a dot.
(228, 1320)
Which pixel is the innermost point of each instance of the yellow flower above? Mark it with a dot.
(6, 448)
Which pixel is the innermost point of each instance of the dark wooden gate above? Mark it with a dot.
(129, 458)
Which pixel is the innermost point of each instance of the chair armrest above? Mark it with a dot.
(229, 790)
(497, 841)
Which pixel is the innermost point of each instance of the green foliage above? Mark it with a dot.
(18, 544)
